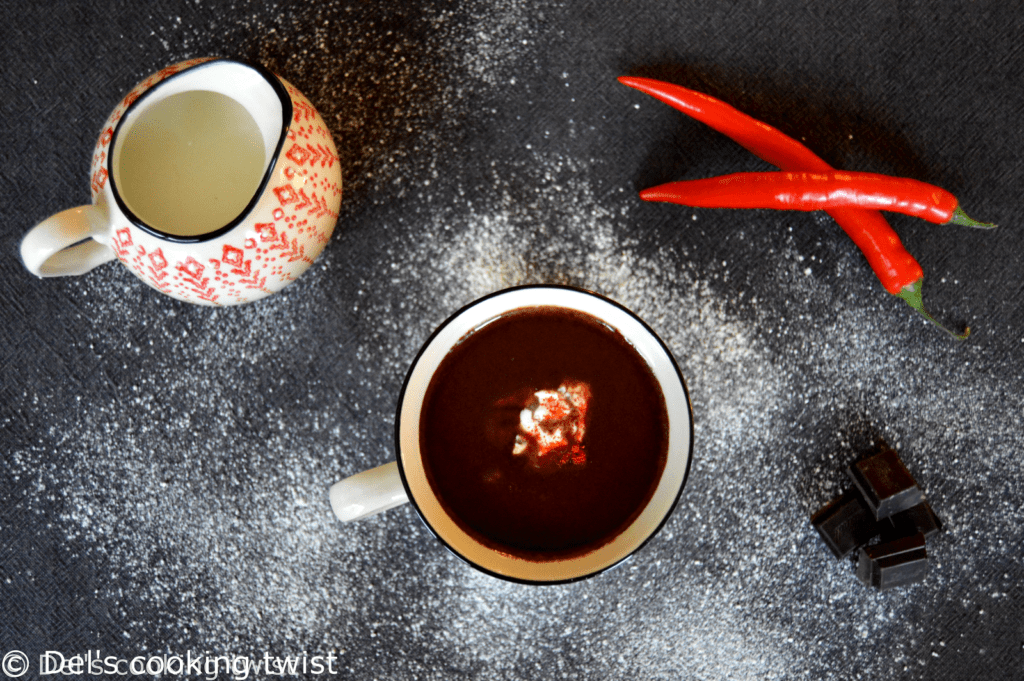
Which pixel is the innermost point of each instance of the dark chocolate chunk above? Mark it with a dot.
(885, 484)
(895, 563)
(845, 524)
(920, 518)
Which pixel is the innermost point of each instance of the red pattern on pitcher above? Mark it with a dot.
(295, 217)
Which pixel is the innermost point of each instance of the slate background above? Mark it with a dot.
(931, 90)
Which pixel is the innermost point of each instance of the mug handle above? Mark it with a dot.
(67, 244)
(368, 493)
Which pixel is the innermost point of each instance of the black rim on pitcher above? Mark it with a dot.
(286, 119)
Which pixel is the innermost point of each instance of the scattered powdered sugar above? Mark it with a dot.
(195, 477)
(743, 585)
(227, 531)
(498, 39)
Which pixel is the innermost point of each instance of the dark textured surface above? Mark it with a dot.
(164, 467)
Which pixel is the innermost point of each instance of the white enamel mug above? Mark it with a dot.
(405, 480)
(214, 181)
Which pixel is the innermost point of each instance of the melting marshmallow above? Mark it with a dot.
(552, 426)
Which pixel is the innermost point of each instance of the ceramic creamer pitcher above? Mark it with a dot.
(214, 181)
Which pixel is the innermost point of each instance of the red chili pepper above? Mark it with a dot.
(898, 271)
(817, 191)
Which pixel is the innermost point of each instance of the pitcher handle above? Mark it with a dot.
(368, 493)
(67, 244)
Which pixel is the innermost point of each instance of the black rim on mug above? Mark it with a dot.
(633, 538)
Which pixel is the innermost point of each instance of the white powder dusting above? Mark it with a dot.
(242, 513)
(498, 39)
(197, 479)
(751, 493)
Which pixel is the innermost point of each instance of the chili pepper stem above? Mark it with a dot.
(911, 293)
(962, 218)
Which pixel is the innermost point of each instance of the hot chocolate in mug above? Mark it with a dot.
(543, 434)
(214, 181)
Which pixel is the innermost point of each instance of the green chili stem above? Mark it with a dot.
(962, 218)
(912, 294)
